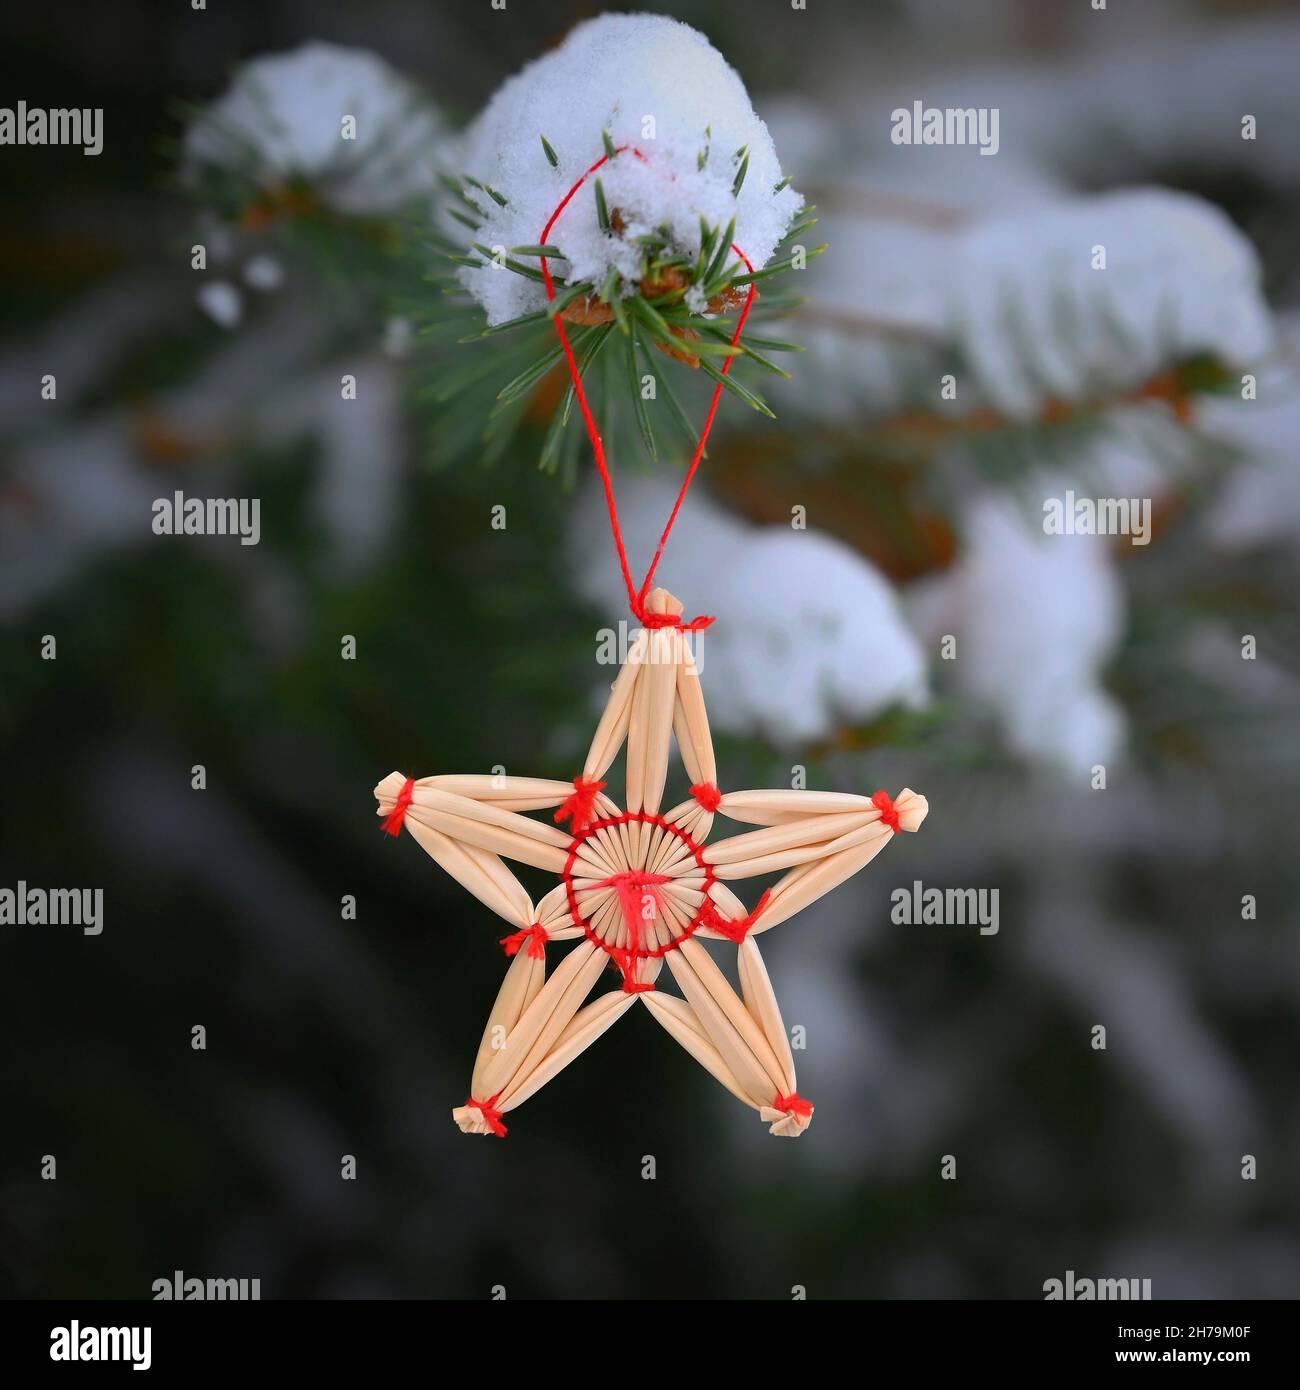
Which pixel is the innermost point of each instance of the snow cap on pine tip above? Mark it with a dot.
(1182, 281)
(646, 81)
(281, 119)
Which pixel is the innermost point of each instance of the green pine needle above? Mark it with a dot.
(638, 402)
(803, 225)
(663, 376)
(599, 337)
(550, 153)
(610, 294)
(532, 374)
(720, 256)
(756, 340)
(555, 434)
(518, 267)
(566, 297)
(705, 348)
(743, 392)
(778, 267)
(766, 363)
(498, 198)
(602, 211)
(509, 326)
(652, 319)
(707, 235)
(610, 149)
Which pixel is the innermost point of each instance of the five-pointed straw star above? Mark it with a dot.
(640, 888)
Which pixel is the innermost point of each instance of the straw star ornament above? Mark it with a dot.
(640, 888)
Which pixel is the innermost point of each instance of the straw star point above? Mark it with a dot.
(639, 888)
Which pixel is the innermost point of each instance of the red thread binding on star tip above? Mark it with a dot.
(657, 620)
(733, 928)
(709, 796)
(637, 598)
(534, 937)
(793, 1104)
(396, 818)
(491, 1114)
(627, 962)
(581, 804)
(884, 803)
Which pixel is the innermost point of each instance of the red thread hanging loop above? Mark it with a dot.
(396, 818)
(637, 597)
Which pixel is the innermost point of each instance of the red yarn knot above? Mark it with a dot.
(580, 806)
(490, 1113)
(395, 819)
(709, 796)
(733, 928)
(626, 962)
(884, 803)
(536, 945)
(793, 1104)
(672, 620)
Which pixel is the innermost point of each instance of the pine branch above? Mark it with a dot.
(681, 302)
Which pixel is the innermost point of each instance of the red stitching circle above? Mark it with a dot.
(697, 849)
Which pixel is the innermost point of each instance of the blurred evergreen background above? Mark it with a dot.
(476, 647)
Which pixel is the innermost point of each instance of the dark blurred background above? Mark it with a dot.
(326, 1036)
